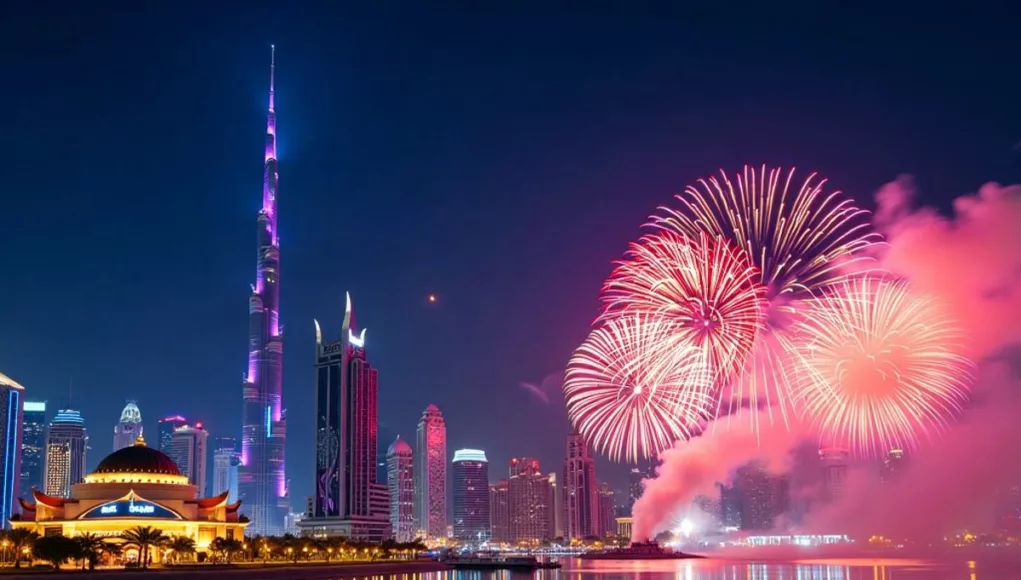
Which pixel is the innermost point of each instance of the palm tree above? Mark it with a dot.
(21, 540)
(89, 548)
(181, 545)
(144, 537)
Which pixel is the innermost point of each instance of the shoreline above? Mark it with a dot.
(254, 571)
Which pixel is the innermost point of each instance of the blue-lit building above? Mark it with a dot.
(11, 398)
(66, 446)
(471, 496)
(33, 447)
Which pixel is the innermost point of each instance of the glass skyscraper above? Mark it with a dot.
(33, 448)
(471, 496)
(11, 397)
(66, 445)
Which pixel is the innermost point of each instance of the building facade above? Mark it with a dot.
(166, 428)
(226, 461)
(348, 500)
(606, 518)
(261, 480)
(12, 397)
(471, 496)
(581, 493)
(528, 495)
(499, 511)
(556, 503)
(33, 447)
(129, 428)
(188, 449)
(400, 477)
(835, 463)
(66, 446)
(134, 486)
(431, 475)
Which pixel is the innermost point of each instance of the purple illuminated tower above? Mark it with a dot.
(261, 482)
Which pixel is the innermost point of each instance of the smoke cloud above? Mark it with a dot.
(971, 261)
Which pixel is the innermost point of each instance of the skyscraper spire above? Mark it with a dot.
(261, 480)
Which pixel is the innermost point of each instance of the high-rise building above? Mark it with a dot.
(129, 428)
(66, 445)
(893, 463)
(499, 511)
(12, 396)
(33, 448)
(556, 506)
(471, 496)
(835, 463)
(431, 474)
(763, 496)
(606, 520)
(581, 492)
(400, 479)
(349, 501)
(730, 505)
(261, 481)
(528, 496)
(226, 460)
(188, 449)
(165, 430)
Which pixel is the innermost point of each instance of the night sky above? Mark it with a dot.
(499, 155)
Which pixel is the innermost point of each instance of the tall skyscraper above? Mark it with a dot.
(893, 463)
(129, 428)
(471, 496)
(66, 445)
(12, 396)
(528, 496)
(400, 478)
(431, 474)
(606, 521)
(188, 449)
(835, 463)
(764, 496)
(499, 511)
(226, 461)
(167, 426)
(261, 481)
(581, 493)
(33, 448)
(556, 503)
(349, 501)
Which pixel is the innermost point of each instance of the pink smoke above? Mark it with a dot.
(972, 262)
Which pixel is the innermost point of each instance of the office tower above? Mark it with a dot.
(129, 428)
(556, 506)
(431, 474)
(349, 501)
(188, 449)
(835, 463)
(763, 496)
(33, 448)
(66, 444)
(166, 428)
(634, 480)
(12, 396)
(400, 479)
(226, 460)
(606, 524)
(528, 494)
(261, 481)
(730, 505)
(499, 511)
(893, 463)
(471, 496)
(581, 493)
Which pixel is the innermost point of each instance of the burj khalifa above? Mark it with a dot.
(261, 482)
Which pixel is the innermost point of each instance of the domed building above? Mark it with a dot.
(134, 486)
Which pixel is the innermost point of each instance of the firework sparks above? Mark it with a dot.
(798, 238)
(628, 400)
(881, 366)
(704, 287)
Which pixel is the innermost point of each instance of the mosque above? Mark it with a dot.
(134, 486)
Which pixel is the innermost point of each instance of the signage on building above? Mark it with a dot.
(130, 507)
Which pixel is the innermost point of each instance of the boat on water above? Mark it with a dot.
(486, 562)
(639, 551)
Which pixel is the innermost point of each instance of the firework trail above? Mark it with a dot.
(704, 287)
(627, 399)
(800, 239)
(881, 366)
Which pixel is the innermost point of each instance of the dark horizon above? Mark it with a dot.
(497, 157)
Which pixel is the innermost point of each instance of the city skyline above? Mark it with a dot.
(402, 183)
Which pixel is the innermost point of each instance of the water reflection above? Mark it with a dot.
(710, 569)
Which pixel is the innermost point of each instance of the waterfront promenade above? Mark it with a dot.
(313, 571)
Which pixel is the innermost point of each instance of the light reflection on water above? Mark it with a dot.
(713, 569)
